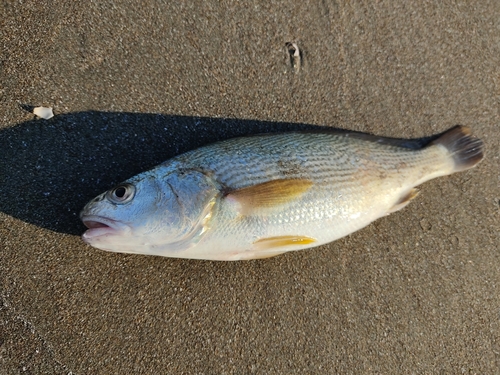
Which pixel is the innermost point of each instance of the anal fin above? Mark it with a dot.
(404, 200)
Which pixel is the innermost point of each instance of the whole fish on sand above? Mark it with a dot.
(263, 195)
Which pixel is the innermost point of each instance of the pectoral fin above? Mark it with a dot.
(405, 199)
(269, 194)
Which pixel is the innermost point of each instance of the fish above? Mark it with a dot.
(259, 196)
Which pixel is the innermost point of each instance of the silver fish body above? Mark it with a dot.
(263, 195)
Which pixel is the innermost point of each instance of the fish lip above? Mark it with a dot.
(100, 226)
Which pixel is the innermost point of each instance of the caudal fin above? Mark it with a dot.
(466, 150)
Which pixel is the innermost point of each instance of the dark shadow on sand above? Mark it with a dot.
(49, 169)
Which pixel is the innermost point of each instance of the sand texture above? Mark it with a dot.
(134, 83)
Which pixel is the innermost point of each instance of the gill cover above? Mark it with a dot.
(195, 194)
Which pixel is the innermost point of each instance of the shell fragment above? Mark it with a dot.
(43, 112)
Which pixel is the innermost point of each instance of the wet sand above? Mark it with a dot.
(132, 85)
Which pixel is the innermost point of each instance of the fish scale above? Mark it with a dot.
(328, 168)
(259, 196)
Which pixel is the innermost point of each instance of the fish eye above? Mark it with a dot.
(121, 194)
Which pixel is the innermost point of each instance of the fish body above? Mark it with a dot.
(263, 195)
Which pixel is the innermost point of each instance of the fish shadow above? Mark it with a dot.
(49, 169)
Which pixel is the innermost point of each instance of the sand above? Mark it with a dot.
(134, 83)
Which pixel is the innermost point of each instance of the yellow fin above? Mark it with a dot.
(405, 199)
(281, 241)
(270, 193)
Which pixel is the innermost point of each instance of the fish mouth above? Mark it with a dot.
(100, 226)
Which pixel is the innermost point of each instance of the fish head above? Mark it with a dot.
(152, 213)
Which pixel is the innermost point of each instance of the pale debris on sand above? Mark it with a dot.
(43, 112)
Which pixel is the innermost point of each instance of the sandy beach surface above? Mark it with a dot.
(135, 83)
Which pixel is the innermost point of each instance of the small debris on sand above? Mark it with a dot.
(295, 56)
(43, 112)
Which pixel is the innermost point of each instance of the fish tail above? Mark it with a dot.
(465, 149)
